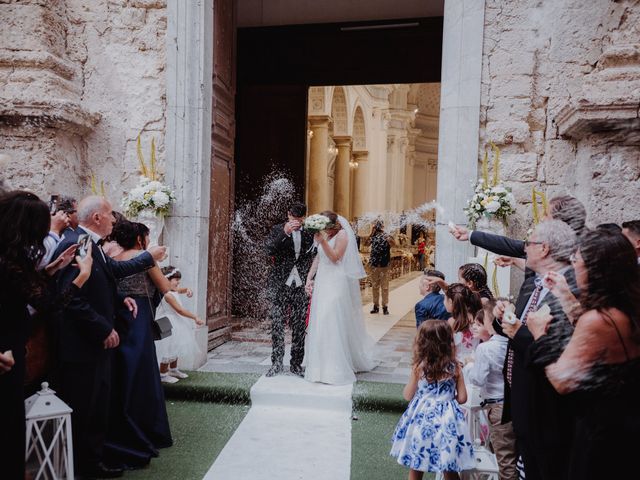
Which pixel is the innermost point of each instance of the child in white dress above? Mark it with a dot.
(181, 345)
(433, 435)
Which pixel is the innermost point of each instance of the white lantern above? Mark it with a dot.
(49, 441)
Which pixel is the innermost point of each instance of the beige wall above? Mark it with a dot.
(540, 58)
(82, 80)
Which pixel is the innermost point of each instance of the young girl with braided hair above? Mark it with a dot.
(462, 304)
(474, 276)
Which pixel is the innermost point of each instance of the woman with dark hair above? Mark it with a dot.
(462, 304)
(24, 223)
(600, 367)
(139, 425)
(337, 344)
(474, 276)
(110, 246)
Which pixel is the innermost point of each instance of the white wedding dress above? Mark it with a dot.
(337, 343)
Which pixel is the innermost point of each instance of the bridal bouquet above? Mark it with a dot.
(316, 223)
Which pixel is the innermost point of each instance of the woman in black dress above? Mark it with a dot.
(600, 367)
(139, 425)
(24, 223)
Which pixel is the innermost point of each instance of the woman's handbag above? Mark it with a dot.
(161, 328)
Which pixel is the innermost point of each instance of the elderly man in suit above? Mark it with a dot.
(541, 418)
(88, 333)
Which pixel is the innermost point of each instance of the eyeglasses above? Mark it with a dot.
(531, 242)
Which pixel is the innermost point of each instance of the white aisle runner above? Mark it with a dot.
(295, 430)
(402, 300)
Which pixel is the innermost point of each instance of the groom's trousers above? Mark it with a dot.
(290, 303)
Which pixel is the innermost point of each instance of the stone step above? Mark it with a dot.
(217, 337)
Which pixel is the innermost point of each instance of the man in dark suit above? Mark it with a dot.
(542, 419)
(88, 333)
(292, 251)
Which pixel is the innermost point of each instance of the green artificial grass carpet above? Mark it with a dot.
(200, 432)
(378, 407)
(213, 387)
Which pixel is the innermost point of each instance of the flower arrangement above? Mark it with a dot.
(491, 198)
(150, 194)
(316, 223)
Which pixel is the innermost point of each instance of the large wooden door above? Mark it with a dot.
(222, 171)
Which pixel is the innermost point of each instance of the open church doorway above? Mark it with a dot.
(293, 84)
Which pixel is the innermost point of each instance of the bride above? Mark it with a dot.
(337, 344)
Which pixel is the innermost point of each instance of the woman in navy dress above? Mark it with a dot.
(139, 422)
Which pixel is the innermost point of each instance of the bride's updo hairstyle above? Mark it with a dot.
(333, 216)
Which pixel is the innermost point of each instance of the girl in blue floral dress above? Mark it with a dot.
(433, 435)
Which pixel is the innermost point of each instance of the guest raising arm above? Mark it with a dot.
(601, 364)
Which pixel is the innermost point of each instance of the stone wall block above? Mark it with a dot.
(148, 4)
(507, 132)
(522, 190)
(559, 156)
(515, 61)
(520, 167)
(31, 27)
(508, 109)
(512, 86)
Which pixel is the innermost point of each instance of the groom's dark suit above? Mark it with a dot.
(288, 301)
(85, 365)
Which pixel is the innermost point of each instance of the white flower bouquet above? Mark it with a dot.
(150, 194)
(491, 198)
(496, 201)
(316, 223)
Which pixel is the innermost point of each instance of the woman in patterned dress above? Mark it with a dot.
(433, 435)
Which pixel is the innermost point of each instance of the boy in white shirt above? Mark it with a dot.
(486, 373)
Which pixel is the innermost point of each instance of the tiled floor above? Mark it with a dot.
(250, 349)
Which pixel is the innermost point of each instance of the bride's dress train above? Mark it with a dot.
(337, 343)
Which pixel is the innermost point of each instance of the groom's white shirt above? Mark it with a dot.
(294, 277)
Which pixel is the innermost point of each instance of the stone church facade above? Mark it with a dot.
(555, 85)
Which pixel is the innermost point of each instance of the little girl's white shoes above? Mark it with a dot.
(177, 374)
(166, 378)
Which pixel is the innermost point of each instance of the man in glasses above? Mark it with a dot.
(541, 419)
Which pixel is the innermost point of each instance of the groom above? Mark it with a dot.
(292, 251)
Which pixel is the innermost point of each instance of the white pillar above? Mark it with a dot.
(188, 141)
(459, 124)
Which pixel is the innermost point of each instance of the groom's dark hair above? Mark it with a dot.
(298, 209)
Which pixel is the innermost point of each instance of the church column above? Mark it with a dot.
(188, 143)
(360, 184)
(341, 193)
(458, 139)
(319, 195)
